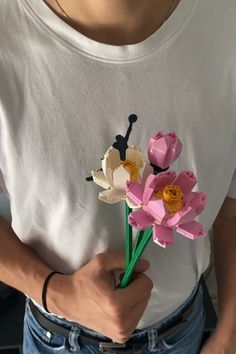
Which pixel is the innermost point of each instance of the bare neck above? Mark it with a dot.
(116, 22)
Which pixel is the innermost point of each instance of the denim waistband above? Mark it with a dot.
(138, 333)
(149, 335)
(172, 317)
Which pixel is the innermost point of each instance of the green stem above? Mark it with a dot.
(138, 239)
(128, 237)
(129, 272)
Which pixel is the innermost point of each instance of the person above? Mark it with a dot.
(71, 74)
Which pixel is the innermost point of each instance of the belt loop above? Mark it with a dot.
(74, 339)
(152, 340)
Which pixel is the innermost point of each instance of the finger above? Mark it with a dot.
(132, 321)
(140, 287)
(136, 313)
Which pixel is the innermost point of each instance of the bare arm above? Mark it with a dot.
(224, 247)
(20, 267)
(90, 293)
(223, 339)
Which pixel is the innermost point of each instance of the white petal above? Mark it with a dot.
(100, 179)
(145, 172)
(136, 155)
(110, 162)
(120, 176)
(112, 196)
(132, 205)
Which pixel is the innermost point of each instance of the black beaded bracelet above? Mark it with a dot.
(44, 291)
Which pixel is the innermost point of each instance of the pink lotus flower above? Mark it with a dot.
(167, 201)
(164, 149)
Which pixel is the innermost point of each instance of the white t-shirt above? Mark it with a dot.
(65, 97)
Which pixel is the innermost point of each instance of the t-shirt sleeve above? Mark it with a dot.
(232, 188)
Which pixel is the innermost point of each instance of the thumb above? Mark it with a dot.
(112, 261)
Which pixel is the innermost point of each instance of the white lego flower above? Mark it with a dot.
(116, 172)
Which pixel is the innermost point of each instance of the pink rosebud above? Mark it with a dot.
(163, 150)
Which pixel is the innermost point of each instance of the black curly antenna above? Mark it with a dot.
(121, 142)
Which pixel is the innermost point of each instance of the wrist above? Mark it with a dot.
(225, 336)
(45, 287)
(35, 280)
(57, 293)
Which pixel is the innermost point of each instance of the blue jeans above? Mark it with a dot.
(186, 340)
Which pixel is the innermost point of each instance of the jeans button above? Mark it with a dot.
(49, 335)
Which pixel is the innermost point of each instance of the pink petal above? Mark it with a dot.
(134, 192)
(186, 214)
(156, 209)
(186, 181)
(140, 220)
(198, 202)
(149, 188)
(175, 145)
(162, 235)
(187, 198)
(157, 136)
(158, 152)
(164, 178)
(191, 230)
(164, 150)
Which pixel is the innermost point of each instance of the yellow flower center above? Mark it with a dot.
(132, 168)
(172, 196)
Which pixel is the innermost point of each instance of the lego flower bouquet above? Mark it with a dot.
(157, 200)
